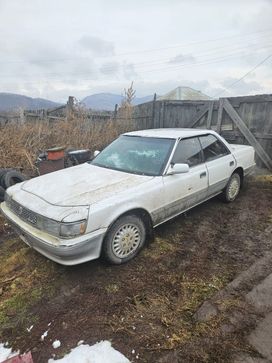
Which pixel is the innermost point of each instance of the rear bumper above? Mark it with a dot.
(65, 252)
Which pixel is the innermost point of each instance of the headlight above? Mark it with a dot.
(72, 229)
(48, 225)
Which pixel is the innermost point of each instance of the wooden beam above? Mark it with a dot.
(234, 134)
(247, 134)
(210, 112)
(220, 114)
(56, 108)
(198, 116)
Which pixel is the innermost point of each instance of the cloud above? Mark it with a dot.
(96, 46)
(56, 49)
(182, 58)
(241, 87)
(110, 68)
(129, 71)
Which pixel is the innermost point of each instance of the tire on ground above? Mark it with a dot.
(232, 189)
(12, 177)
(2, 194)
(3, 171)
(128, 220)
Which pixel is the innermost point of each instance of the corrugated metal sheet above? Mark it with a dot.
(184, 94)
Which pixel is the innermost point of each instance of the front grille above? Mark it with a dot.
(22, 212)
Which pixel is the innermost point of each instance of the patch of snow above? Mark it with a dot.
(56, 344)
(30, 328)
(101, 352)
(6, 353)
(49, 323)
(44, 335)
(80, 342)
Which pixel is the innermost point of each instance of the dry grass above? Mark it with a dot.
(169, 314)
(20, 144)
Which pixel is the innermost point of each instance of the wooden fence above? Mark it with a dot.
(245, 120)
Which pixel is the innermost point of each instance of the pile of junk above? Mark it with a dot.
(58, 158)
(48, 161)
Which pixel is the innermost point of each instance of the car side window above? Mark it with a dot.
(212, 147)
(188, 152)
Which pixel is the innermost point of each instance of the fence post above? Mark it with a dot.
(153, 110)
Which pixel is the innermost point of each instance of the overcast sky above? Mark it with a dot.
(57, 48)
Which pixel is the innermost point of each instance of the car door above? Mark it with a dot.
(219, 161)
(182, 191)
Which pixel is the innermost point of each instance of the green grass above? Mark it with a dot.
(25, 278)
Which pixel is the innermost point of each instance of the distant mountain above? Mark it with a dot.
(107, 101)
(11, 102)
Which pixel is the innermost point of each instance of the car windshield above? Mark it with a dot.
(135, 154)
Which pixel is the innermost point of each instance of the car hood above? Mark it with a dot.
(81, 185)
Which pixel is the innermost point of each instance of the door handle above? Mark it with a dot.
(231, 163)
(202, 175)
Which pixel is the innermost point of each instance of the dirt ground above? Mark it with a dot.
(145, 307)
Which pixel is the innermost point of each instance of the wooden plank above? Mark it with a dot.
(247, 134)
(161, 115)
(209, 119)
(197, 117)
(153, 110)
(258, 135)
(220, 114)
(56, 108)
(235, 101)
(56, 117)
(181, 103)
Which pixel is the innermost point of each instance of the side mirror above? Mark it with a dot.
(96, 153)
(177, 169)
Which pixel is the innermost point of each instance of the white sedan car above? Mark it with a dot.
(109, 205)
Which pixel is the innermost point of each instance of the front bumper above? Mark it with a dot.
(65, 252)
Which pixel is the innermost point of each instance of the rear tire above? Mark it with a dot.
(232, 189)
(124, 240)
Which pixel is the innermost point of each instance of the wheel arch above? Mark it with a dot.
(139, 212)
(240, 172)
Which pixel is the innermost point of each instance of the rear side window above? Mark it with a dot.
(212, 147)
(188, 152)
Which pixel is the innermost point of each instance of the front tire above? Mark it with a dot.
(124, 240)
(232, 189)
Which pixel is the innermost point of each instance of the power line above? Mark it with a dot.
(245, 75)
(245, 35)
(46, 79)
(167, 66)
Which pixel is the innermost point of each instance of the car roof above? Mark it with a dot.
(168, 133)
